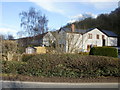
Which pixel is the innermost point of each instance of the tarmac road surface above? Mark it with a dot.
(19, 84)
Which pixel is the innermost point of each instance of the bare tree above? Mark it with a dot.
(10, 37)
(70, 42)
(73, 42)
(33, 22)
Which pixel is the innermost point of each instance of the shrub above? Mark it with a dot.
(26, 57)
(11, 66)
(104, 51)
(84, 53)
(70, 65)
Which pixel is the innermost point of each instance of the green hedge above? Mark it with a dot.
(64, 65)
(104, 51)
(26, 57)
(70, 65)
(11, 66)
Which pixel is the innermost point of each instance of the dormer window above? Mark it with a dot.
(89, 36)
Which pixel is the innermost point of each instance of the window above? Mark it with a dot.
(90, 36)
(103, 37)
(97, 36)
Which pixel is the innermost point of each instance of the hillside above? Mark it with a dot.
(109, 21)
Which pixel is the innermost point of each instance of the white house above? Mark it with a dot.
(74, 40)
(48, 39)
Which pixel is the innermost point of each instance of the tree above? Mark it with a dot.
(10, 37)
(69, 42)
(33, 22)
(2, 37)
(9, 49)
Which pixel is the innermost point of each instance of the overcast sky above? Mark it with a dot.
(58, 12)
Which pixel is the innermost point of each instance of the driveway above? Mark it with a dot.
(18, 84)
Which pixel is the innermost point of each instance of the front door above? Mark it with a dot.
(103, 42)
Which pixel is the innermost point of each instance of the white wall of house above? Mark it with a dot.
(112, 41)
(80, 42)
(94, 41)
(61, 39)
(73, 42)
(48, 39)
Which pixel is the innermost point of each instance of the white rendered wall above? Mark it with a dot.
(112, 41)
(94, 40)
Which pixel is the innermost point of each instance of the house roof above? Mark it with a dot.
(68, 30)
(109, 33)
(54, 33)
(40, 36)
(82, 31)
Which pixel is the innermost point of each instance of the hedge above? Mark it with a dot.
(11, 66)
(26, 57)
(70, 65)
(104, 51)
(64, 65)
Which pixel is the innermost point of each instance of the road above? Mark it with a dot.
(18, 84)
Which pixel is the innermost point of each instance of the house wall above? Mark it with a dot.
(48, 39)
(109, 41)
(112, 41)
(94, 41)
(73, 42)
(61, 39)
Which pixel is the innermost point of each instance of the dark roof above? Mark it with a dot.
(82, 31)
(76, 30)
(54, 33)
(40, 36)
(109, 33)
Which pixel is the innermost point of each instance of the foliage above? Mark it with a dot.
(11, 66)
(9, 49)
(103, 21)
(70, 65)
(26, 57)
(84, 53)
(9, 46)
(10, 37)
(104, 51)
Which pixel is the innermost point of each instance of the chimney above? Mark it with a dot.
(72, 27)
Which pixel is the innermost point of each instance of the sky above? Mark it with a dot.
(58, 12)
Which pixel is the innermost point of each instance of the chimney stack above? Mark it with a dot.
(72, 27)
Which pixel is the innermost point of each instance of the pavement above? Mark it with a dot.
(19, 84)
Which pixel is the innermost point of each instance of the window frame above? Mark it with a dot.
(89, 36)
(103, 36)
(97, 36)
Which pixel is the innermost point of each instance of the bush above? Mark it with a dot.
(26, 57)
(104, 51)
(84, 53)
(11, 66)
(70, 65)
